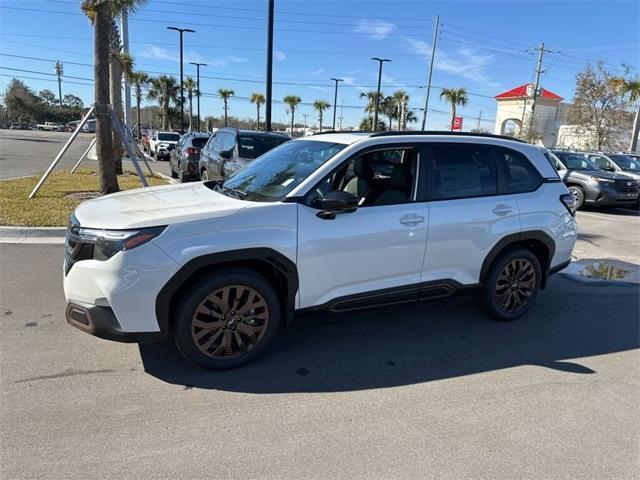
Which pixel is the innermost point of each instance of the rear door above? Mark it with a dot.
(469, 210)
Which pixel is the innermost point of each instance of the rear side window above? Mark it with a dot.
(462, 171)
(199, 142)
(521, 176)
(253, 146)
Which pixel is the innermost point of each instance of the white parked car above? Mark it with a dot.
(161, 144)
(331, 222)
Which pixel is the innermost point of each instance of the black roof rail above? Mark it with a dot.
(342, 131)
(444, 132)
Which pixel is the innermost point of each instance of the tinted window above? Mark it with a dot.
(626, 163)
(228, 141)
(555, 162)
(521, 175)
(462, 171)
(252, 146)
(169, 137)
(216, 146)
(199, 142)
(574, 161)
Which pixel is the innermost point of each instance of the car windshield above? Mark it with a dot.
(169, 137)
(574, 161)
(271, 177)
(199, 142)
(252, 146)
(627, 164)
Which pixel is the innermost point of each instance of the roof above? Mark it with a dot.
(351, 137)
(338, 137)
(524, 91)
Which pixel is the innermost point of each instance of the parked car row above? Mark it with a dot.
(599, 179)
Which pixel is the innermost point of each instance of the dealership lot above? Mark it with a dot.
(417, 391)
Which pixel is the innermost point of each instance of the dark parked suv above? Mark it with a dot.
(592, 186)
(230, 149)
(185, 158)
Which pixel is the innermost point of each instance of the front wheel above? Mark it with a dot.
(227, 319)
(578, 195)
(511, 286)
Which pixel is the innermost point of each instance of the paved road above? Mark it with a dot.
(30, 152)
(422, 391)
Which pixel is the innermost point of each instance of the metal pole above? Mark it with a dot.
(636, 130)
(198, 65)
(535, 92)
(335, 101)
(374, 127)
(269, 79)
(84, 155)
(181, 31)
(62, 152)
(127, 144)
(479, 118)
(59, 70)
(433, 56)
(124, 27)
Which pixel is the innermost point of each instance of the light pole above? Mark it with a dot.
(198, 65)
(375, 112)
(335, 100)
(269, 75)
(181, 31)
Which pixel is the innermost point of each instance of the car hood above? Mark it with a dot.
(155, 206)
(601, 174)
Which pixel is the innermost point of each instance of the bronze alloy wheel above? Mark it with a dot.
(515, 285)
(229, 322)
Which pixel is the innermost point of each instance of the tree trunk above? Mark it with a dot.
(138, 101)
(190, 111)
(115, 81)
(104, 143)
(636, 131)
(165, 111)
(292, 114)
(453, 115)
(258, 116)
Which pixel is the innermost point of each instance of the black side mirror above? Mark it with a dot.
(337, 202)
(226, 154)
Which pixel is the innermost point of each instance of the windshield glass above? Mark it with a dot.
(271, 177)
(169, 137)
(574, 161)
(252, 146)
(627, 164)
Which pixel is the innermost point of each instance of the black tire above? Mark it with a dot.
(204, 176)
(578, 194)
(173, 172)
(202, 300)
(507, 293)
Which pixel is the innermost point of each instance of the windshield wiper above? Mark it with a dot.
(230, 192)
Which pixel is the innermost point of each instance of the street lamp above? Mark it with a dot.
(335, 100)
(198, 65)
(375, 112)
(181, 31)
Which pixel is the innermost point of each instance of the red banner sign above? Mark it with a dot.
(457, 124)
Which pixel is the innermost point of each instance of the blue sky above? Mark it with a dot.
(483, 46)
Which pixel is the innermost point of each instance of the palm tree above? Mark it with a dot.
(121, 63)
(292, 101)
(630, 87)
(138, 80)
(258, 99)
(225, 94)
(165, 89)
(190, 86)
(389, 107)
(320, 106)
(371, 103)
(402, 104)
(455, 96)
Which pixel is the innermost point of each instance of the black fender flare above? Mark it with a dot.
(275, 259)
(515, 238)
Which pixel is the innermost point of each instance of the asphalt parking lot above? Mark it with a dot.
(422, 391)
(30, 152)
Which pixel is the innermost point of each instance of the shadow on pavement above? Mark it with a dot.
(424, 342)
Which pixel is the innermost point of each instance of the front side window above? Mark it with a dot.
(627, 164)
(228, 142)
(576, 162)
(276, 173)
(521, 176)
(252, 146)
(462, 171)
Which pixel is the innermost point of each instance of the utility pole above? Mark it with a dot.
(380, 61)
(124, 27)
(479, 118)
(198, 65)
(269, 76)
(181, 31)
(341, 117)
(305, 115)
(335, 101)
(433, 56)
(536, 86)
(59, 70)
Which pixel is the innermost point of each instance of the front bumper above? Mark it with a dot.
(102, 323)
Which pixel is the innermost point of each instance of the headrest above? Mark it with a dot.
(401, 178)
(362, 169)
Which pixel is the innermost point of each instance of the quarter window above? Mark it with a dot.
(462, 171)
(521, 176)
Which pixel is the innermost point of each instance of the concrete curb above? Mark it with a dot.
(32, 235)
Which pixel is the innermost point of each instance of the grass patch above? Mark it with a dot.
(57, 198)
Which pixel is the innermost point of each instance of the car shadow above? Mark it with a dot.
(418, 343)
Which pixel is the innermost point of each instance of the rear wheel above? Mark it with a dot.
(227, 319)
(174, 174)
(204, 176)
(578, 195)
(512, 284)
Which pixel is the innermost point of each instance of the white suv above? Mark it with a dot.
(334, 222)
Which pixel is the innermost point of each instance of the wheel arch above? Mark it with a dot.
(537, 241)
(274, 266)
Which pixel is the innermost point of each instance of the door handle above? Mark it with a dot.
(411, 220)
(502, 210)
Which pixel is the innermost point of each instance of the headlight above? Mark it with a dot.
(602, 180)
(109, 242)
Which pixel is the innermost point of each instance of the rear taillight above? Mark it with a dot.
(192, 152)
(569, 203)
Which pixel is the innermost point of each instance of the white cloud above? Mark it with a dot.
(319, 71)
(377, 29)
(279, 55)
(465, 61)
(157, 53)
(321, 89)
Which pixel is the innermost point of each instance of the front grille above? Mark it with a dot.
(626, 186)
